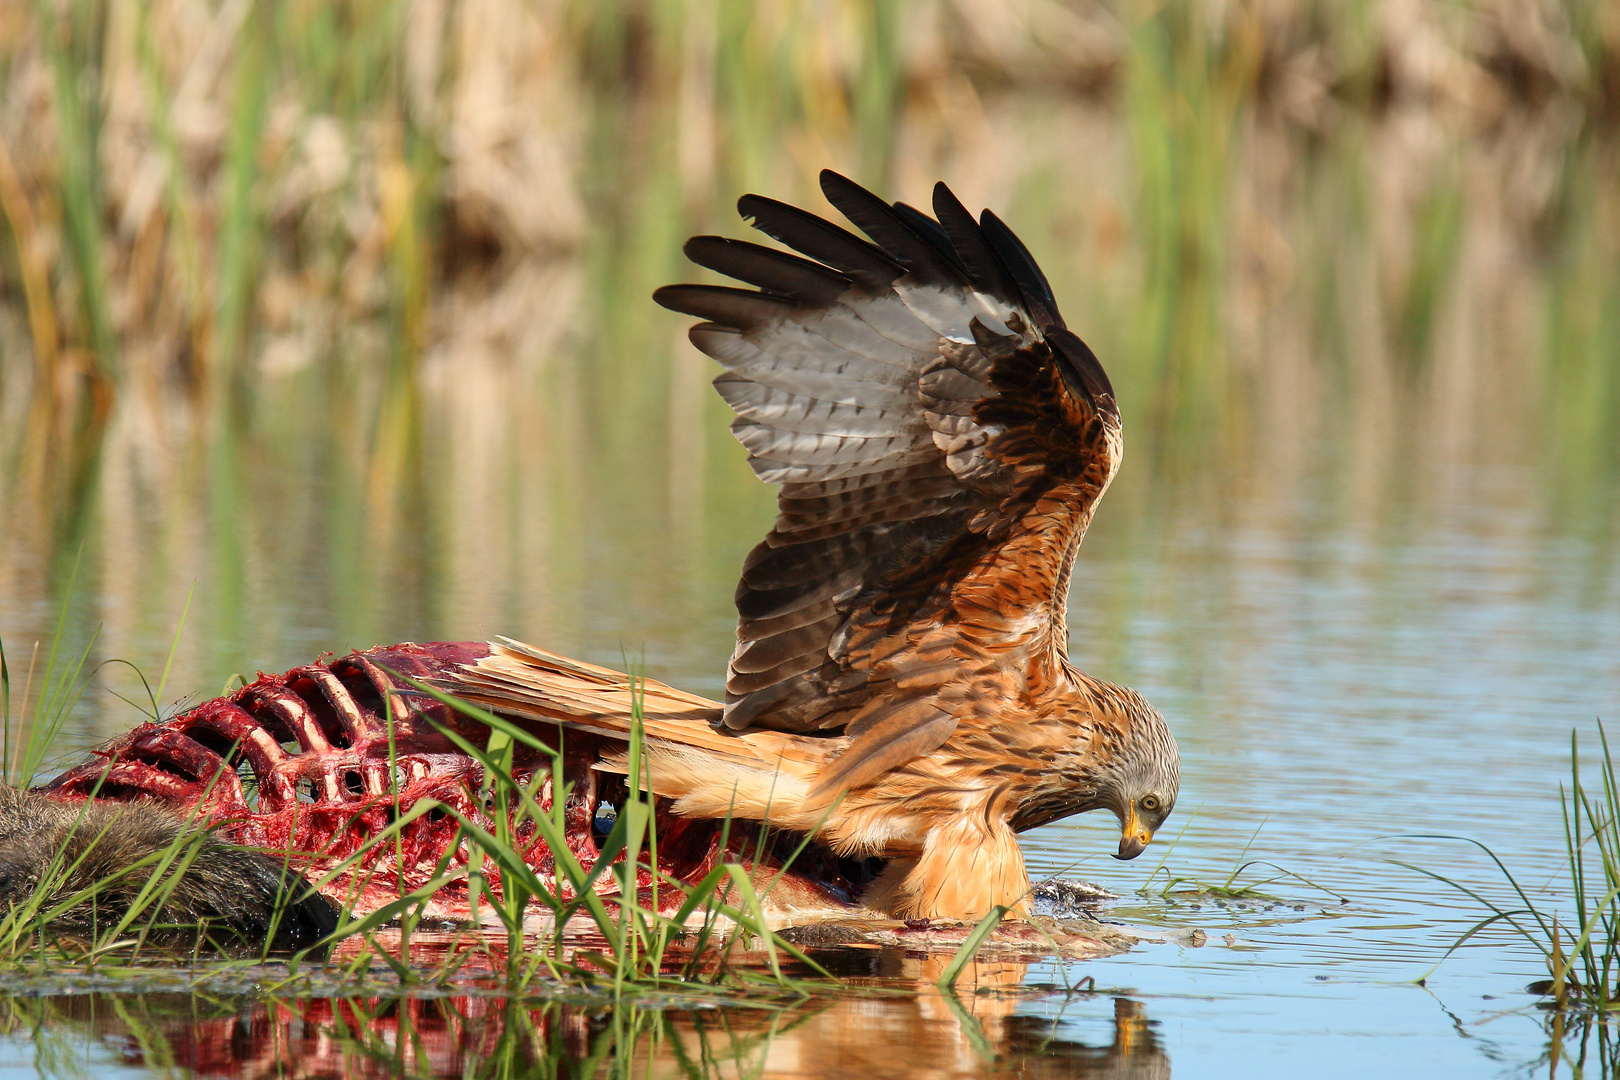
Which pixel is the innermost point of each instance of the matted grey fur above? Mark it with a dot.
(224, 891)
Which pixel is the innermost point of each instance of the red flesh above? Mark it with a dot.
(299, 763)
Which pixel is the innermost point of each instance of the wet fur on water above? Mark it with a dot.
(109, 853)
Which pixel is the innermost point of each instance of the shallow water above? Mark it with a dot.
(1338, 695)
(1333, 687)
(1373, 597)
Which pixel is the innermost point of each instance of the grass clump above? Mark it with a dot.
(98, 903)
(1582, 953)
(1233, 887)
(626, 942)
(102, 881)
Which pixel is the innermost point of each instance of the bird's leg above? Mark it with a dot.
(964, 871)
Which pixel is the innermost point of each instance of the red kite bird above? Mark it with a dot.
(901, 684)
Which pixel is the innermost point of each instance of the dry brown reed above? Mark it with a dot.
(316, 301)
(180, 176)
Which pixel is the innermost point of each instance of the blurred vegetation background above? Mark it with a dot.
(341, 311)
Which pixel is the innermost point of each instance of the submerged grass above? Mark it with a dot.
(1582, 955)
(1232, 886)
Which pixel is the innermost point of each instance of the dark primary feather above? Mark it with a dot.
(774, 271)
(739, 309)
(914, 395)
(929, 231)
(888, 230)
(1077, 358)
(821, 240)
(964, 235)
(1032, 284)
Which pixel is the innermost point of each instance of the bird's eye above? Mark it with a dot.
(1150, 803)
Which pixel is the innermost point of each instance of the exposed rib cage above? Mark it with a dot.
(299, 763)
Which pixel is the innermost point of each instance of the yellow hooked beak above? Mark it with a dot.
(1133, 837)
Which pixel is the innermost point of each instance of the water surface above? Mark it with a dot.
(1362, 555)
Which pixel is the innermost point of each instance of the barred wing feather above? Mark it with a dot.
(919, 400)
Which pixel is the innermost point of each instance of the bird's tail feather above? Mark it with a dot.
(709, 771)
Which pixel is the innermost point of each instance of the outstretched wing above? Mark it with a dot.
(932, 424)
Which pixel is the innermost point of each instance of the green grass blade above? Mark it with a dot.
(970, 946)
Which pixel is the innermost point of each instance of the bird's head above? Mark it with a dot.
(1141, 782)
(1118, 755)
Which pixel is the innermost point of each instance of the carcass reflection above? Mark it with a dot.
(891, 1023)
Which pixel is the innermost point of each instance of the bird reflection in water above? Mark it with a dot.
(980, 1031)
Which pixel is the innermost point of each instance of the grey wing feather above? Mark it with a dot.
(856, 379)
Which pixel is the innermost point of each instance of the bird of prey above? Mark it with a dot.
(900, 687)
(901, 681)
